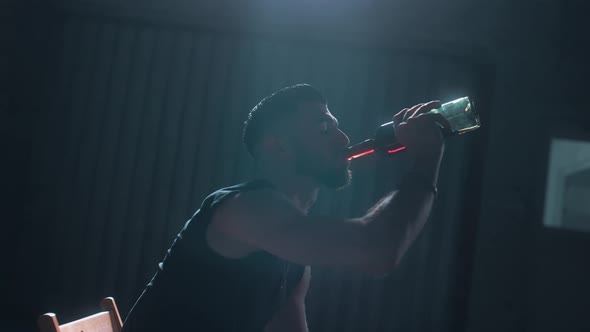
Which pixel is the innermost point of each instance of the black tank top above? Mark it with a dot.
(196, 289)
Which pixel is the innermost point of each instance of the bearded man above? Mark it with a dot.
(242, 262)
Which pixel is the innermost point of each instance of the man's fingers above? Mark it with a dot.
(427, 107)
(415, 111)
(399, 117)
(438, 119)
(411, 111)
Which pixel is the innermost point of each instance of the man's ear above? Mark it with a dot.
(275, 146)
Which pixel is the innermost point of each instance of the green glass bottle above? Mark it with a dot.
(460, 114)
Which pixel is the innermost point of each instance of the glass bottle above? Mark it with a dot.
(460, 114)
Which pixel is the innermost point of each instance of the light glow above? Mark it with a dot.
(364, 153)
(401, 148)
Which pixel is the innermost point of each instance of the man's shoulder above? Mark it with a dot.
(247, 186)
(236, 217)
(248, 210)
(251, 203)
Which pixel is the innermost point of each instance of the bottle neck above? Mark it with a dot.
(384, 141)
(370, 146)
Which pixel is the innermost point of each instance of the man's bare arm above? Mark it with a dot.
(266, 220)
(396, 220)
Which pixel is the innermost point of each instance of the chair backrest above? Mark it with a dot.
(107, 320)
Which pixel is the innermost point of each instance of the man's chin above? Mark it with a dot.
(333, 177)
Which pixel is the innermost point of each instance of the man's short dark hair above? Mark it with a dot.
(264, 115)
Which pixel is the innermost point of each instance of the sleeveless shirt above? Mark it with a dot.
(197, 289)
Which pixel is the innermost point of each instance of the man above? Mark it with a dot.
(241, 263)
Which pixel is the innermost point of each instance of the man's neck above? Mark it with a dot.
(300, 190)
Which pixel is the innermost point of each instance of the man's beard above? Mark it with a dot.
(334, 177)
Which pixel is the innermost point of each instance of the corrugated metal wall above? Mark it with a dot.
(144, 120)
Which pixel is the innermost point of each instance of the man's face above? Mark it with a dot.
(319, 146)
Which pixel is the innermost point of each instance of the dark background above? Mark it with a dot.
(117, 118)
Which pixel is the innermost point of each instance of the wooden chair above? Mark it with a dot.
(107, 320)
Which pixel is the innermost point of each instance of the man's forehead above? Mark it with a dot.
(314, 110)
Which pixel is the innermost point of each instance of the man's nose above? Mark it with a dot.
(342, 138)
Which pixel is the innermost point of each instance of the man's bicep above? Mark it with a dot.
(267, 221)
